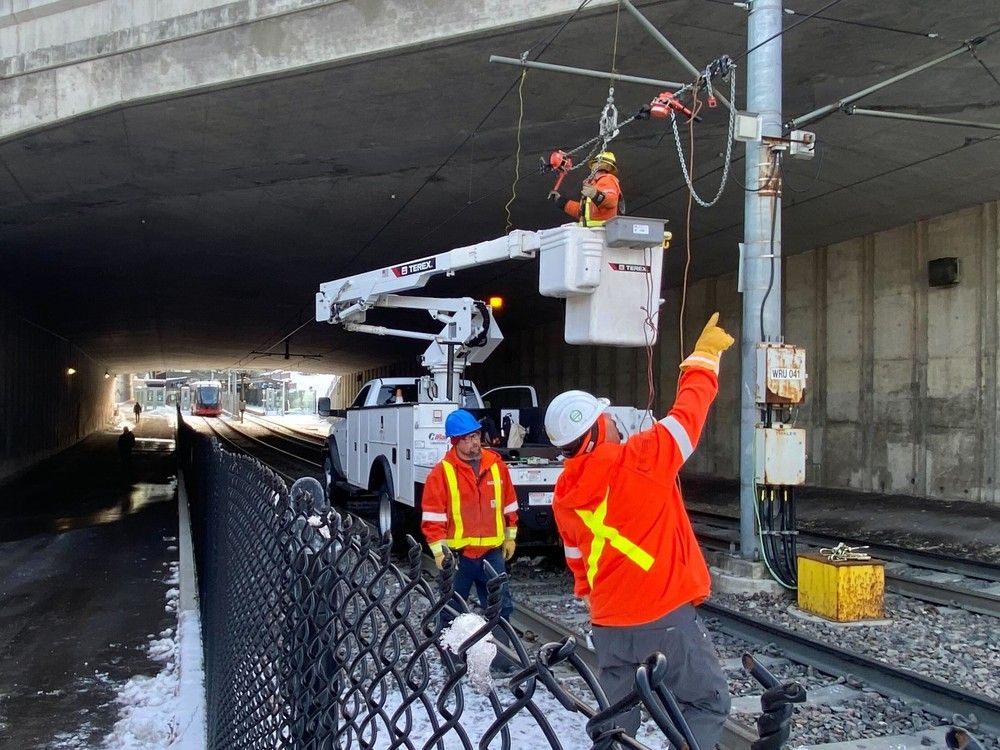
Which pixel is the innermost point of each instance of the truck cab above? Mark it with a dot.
(381, 449)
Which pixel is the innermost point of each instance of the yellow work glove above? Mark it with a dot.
(508, 549)
(709, 347)
(437, 549)
(588, 191)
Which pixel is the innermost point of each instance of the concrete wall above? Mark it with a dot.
(43, 409)
(902, 393)
(62, 59)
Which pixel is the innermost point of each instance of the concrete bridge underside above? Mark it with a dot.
(173, 189)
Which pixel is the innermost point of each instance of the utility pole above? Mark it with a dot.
(761, 222)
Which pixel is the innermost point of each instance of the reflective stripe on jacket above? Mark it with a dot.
(463, 511)
(591, 214)
(626, 534)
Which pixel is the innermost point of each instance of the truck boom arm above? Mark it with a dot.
(470, 333)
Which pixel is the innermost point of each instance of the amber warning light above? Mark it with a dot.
(496, 302)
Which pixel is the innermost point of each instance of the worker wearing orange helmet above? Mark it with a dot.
(600, 196)
(629, 543)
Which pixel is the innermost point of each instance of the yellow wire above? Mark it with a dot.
(614, 51)
(517, 160)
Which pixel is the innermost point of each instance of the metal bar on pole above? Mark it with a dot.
(921, 118)
(665, 43)
(761, 281)
(587, 72)
(816, 114)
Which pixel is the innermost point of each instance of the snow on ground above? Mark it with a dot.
(155, 712)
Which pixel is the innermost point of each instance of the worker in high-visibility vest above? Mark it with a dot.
(629, 543)
(470, 506)
(600, 196)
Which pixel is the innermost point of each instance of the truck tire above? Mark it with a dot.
(332, 470)
(390, 515)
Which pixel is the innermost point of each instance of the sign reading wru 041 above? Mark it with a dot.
(785, 373)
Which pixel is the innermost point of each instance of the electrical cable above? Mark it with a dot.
(794, 25)
(695, 107)
(815, 179)
(775, 173)
(547, 43)
(517, 156)
(985, 66)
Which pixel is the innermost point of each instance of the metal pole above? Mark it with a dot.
(816, 114)
(761, 222)
(674, 52)
(921, 118)
(587, 72)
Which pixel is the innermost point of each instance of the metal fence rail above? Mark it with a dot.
(315, 638)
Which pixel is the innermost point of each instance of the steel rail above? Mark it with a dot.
(238, 449)
(272, 447)
(937, 697)
(945, 594)
(311, 440)
(916, 558)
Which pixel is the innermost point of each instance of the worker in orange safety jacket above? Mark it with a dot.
(629, 543)
(470, 506)
(601, 194)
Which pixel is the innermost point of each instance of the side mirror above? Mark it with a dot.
(323, 406)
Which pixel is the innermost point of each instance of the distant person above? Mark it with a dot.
(399, 396)
(243, 408)
(126, 442)
(137, 410)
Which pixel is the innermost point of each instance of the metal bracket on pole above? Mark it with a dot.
(822, 112)
(852, 110)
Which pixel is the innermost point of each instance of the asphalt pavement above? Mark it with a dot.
(86, 542)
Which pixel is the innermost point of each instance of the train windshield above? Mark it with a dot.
(208, 396)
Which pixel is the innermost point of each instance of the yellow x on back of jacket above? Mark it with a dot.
(465, 512)
(626, 534)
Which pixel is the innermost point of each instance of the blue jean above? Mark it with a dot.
(471, 570)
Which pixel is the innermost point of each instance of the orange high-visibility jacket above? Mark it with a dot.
(594, 214)
(626, 534)
(465, 512)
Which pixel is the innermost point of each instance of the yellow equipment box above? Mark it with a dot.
(841, 590)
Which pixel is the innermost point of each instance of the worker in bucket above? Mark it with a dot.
(600, 196)
(629, 543)
(470, 506)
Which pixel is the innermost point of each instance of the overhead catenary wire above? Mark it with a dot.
(546, 43)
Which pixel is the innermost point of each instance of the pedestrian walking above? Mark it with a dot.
(137, 410)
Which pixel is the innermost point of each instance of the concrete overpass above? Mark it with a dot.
(177, 179)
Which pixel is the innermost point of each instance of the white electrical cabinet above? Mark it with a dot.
(781, 374)
(779, 455)
(609, 277)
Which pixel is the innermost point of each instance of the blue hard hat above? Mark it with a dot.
(459, 423)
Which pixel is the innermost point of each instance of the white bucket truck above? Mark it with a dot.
(382, 447)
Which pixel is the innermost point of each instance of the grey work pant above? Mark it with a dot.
(694, 675)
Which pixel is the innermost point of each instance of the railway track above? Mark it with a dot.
(284, 463)
(931, 577)
(310, 438)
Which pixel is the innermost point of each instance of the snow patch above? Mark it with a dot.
(479, 657)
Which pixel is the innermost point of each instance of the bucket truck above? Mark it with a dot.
(381, 449)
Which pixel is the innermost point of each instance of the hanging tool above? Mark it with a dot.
(661, 106)
(559, 161)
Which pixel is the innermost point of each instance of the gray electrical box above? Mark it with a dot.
(633, 231)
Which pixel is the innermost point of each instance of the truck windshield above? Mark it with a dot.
(388, 392)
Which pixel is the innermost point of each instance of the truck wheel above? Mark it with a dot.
(390, 517)
(332, 471)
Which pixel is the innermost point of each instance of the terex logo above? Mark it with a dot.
(416, 267)
(631, 267)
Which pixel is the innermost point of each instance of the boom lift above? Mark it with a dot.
(381, 449)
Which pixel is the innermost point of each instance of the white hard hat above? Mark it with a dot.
(571, 414)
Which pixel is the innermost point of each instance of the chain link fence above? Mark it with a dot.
(315, 637)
